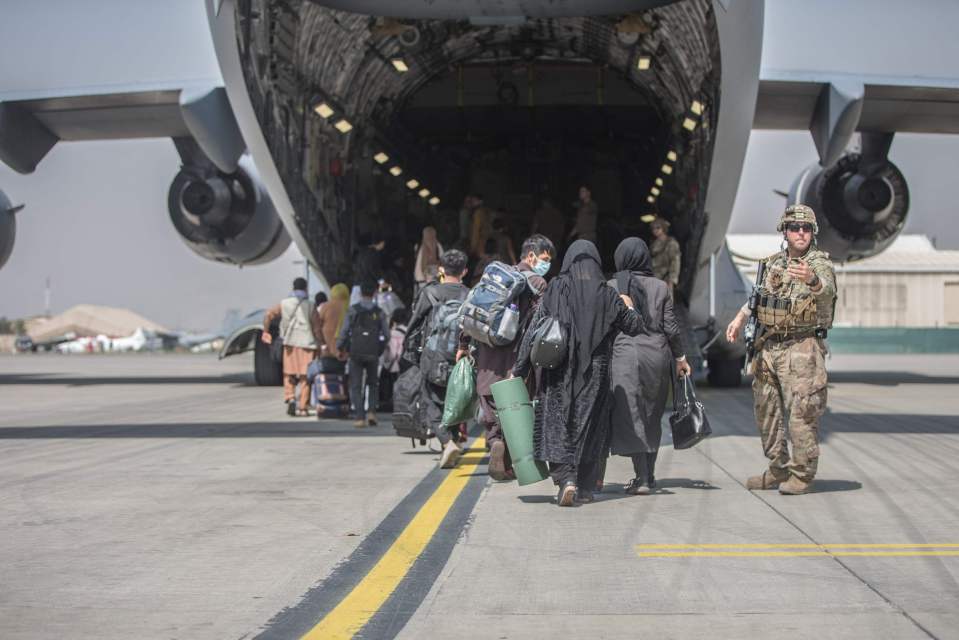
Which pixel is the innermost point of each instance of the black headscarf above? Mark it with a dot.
(579, 298)
(633, 259)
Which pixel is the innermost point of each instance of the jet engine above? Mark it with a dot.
(226, 217)
(8, 228)
(860, 202)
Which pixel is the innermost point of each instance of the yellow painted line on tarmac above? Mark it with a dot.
(877, 550)
(362, 603)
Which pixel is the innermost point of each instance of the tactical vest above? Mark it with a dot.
(788, 306)
(295, 326)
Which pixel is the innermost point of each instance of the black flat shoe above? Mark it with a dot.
(291, 409)
(637, 487)
(567, 494)
(585, 497)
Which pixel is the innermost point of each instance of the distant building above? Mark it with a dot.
(88, 320)
(911, 284)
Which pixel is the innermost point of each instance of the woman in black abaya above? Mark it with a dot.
(572, 423)
(643, 365)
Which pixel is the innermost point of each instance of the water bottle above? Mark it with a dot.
(508, 325)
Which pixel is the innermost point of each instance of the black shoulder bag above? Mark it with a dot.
(549, 343)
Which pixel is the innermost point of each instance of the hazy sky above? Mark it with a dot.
(96, 221)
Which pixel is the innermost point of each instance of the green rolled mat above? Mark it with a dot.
(516, 415)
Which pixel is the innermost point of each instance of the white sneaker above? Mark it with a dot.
(451, 455)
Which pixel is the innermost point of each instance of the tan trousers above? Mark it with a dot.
(790, 390)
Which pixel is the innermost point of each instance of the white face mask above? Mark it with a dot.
(542, 267)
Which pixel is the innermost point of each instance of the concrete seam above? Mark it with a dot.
(895, 607)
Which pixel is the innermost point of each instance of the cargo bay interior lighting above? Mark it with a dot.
(649, 217)
(659, 182)
(434, 201)
(400, 65)
(323, 110)
(412, 184)
(671, 156)
(424, 193)
(666, 169)
(654, 191)
(643, 63)
(689, 124)
(696, 107)
(381, 158)
(343, 125)
(395, 171)
(650, 200)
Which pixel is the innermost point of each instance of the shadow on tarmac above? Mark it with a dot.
(831, 486)
(302, 428)
(834, 422)
(240, 379)
(888, 378)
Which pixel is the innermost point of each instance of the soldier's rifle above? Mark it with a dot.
(753, 327)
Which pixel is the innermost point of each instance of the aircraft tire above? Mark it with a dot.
(266, 372)
(725, 373)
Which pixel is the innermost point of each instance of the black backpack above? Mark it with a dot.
(366, 330)
(442, 338)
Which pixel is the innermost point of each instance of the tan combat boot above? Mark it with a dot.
(795, 487)
(766, 480)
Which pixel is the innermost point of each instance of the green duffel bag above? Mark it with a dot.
(461, 398)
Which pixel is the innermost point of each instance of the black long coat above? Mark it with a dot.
(643, 368)
(568, 430)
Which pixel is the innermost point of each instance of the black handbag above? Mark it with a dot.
(688, 420)
(549, 344)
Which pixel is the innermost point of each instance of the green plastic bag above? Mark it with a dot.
(461, 399)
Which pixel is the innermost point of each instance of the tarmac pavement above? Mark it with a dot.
(168, 497)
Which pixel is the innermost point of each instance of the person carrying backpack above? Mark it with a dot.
(363, 338)
(496, 314)
(433, 339)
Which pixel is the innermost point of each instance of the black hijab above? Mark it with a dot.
(633, 260)
(580, 299)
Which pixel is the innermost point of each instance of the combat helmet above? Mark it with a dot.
(798, 213)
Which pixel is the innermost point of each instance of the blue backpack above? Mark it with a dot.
(490, 312)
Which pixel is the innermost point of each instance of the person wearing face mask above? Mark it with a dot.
(494, 363)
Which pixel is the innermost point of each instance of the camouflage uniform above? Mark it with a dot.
(789, 367)
(666, 254)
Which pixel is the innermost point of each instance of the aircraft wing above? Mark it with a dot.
(31, 124)
(834, 106)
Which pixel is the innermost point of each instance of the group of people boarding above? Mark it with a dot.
(318, 342)
(624, 348)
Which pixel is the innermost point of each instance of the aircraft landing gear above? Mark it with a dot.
(266, 372)
(725, 372)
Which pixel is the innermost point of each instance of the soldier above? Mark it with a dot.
(797, 299)
(665, 253)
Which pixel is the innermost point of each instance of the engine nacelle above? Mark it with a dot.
(8, 228)
(860, 208)
(227, 217)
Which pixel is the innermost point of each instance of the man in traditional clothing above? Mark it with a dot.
(494, 363)
(665, 252)
(300, 333)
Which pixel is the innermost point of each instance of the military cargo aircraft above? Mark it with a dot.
(339, 117)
